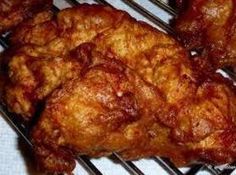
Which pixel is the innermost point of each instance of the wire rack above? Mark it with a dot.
(129, 166)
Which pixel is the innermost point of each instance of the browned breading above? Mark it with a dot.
(13, 12)
(129, 89)
(41, 27)
(32, 78)
(116, 35)
(209, 25)
(110, 108)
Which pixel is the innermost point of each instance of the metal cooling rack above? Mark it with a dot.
(85, 161)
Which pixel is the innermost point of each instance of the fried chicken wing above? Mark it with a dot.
(12, 12)
(121, 86)
(209, 25)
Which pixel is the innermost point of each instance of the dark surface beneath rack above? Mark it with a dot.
(85, 161)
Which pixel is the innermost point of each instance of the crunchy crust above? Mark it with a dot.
(209, 26)
(132, 90)
(12, 12)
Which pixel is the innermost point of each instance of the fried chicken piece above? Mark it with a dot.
(109, 108)
(13, 12)
(115, 31)
(106, 28)
(154, 55)
(43, 42)
(209, 25)
(33, 76)
(40, 27)
(183, 118)
(207, 124)
(68, 28)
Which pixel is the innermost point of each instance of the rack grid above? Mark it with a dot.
(85, 161)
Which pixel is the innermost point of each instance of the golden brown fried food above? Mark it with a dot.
(32, 78)
(118, 33)
(38, 67)
(43, 42)
(12, 12)
(135, 92)
(109, 108)
(41, 27)
(210, 25)
(106, 28)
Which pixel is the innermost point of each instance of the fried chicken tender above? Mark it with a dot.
(13, 12)
(135, 92)
(210, 26)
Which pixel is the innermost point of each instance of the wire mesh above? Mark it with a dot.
(167, 165)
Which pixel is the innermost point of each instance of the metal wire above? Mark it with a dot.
(165, 163)
(227, 171)
(89, 166)
(3, 43)
(128, 164)
(55, 9)
(133, 169)
(212, 170)
(103, 2)
(230, 73)
(195, 169)
(165, 7)
(21, 129)
(168, 166)
(83, 159)
(73, 2)
(17, 126)
(153, 18)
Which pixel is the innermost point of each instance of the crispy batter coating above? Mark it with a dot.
(102, 111)
(133, 90)
(13, 12)
(106, 29)
(209, 25)
(45, 41)
(110, 108)
(32, 78)
(41, 27)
